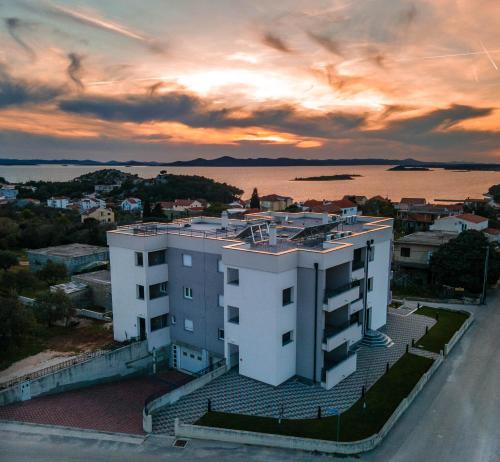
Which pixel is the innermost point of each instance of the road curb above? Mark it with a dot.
(82, 433)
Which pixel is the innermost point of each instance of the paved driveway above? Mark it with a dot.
(113, 407)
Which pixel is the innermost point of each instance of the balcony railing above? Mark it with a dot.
(329, 293)
(330, 365)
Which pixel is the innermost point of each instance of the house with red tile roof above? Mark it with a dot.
(275, 202)
(131, 204)
(459, 223)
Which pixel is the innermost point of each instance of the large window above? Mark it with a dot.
(158, 290)
(233, 276)
(233, 315)
(187, 260)
(159, 322)
(287, 296)
(139, 261)
(139, 291)
(287, 338)
(405, 251)
(158, 257)
(188, 293)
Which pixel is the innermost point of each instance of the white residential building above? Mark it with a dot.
(131, 204)
(459, 223)
(276, 294)
(58, 202)
(88, 203)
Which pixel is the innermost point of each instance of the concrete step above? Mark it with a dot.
(374, 338)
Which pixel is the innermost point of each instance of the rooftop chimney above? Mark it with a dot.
(273, 235)
(224, 220)
(325, 218)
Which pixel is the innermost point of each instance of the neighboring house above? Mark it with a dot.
(76, 257)
(88, 203)
(358, 200)
(182, 205)
(9, 191)
(21, 203)
(131, 204)
(475, 204)
(105, 188)
(343, 207)
(412, 253)
(407, 202)
(237, 204)
(101, 214)
(421, 217)
(459, 223)
(58, 202)
(492, 234)
(214, 289)
(99, 287)
(275, 203)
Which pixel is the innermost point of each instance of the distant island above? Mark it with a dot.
(345, 176)
(228, 161)
(85, 162)
(408, 168)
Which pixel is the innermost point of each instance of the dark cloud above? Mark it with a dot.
(19, 92)
(75, 69)
(195, 112)
(326, 42)
(14, 26)
(275, 42)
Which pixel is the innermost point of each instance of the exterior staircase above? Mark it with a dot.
(375, 338)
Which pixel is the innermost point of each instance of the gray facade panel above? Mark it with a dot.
(207, 283)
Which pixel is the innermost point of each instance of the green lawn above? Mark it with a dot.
(440, 334)
(355, 424)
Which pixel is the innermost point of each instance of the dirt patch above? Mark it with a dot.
(88, 336)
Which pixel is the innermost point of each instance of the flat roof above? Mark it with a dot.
(69, 250)
(427, 238)
(95, 276)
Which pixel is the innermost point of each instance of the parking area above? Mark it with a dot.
(112, 407)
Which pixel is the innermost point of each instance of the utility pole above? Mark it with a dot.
(485, 277)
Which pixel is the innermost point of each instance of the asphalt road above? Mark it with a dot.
(456, 418)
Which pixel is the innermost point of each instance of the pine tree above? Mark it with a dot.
(255, 200)
(147, 209)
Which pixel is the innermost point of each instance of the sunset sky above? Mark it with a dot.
(178, 79)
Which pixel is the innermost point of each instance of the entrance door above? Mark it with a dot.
(142, 328)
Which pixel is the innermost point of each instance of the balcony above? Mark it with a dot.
(335, 371)
(355, 306)
(335, 298)
(358, 269)
(335, 336)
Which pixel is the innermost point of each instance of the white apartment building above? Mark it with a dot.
(58, 202)
(277, 294)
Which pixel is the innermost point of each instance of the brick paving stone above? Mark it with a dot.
(238, 394)
(114, 407)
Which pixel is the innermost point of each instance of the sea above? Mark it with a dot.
(374, 180)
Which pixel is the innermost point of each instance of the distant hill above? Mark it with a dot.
(227, 161)
(85, 162)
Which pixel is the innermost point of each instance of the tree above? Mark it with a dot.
(460, 262)
(157, 211)
(495, 192)
(17, 324)
(8, 259)
(53, 273)
(294, 208)
(255, 199)
(379, 208)
(53, 306)
(146, 213)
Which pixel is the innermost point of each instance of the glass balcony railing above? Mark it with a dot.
(329, 293)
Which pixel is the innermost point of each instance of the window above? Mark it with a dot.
(158, 290)
(287, 296)
(221, 300)
(187, 260)
(287, 338)
(220, 266)
(220, 334)
(188, 293)
(188, 325)
(172, 319)
(159, 322)
(405, 251)
(139, 292)
(233, 276)
(370, 284)
(139, 261)
(158, 257)
(233, 315)
(371, 255)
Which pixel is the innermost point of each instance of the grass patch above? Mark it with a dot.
(356, 423)
(448, 322)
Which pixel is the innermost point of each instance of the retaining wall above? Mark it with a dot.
(175, 395)
(306, 444)
(132, 359)
(458, 334)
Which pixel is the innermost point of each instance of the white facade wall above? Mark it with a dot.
(457, 225)
(379, 269)
(263, 321)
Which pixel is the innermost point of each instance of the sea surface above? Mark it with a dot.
(375, 179)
